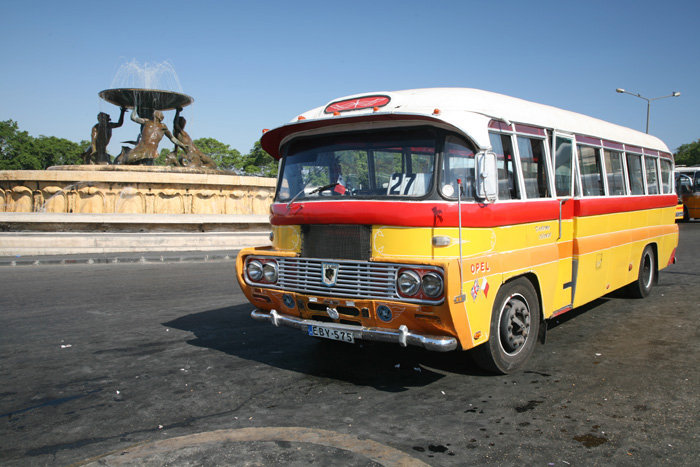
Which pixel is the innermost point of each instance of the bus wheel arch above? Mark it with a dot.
(515, 322)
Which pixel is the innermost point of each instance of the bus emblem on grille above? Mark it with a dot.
(329, 274)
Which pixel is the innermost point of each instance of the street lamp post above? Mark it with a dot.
(622, 91)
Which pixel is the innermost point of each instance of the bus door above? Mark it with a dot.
(564, 157)
(691, 200)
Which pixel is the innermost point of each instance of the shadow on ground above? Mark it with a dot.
(383, 366)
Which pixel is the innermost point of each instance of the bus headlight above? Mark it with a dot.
(432, 285)
(255, 270)
(270, 272)
(408, 283)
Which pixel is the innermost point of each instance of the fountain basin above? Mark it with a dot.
(154, 99)
(94, 189)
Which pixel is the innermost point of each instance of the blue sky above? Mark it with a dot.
(258, 64)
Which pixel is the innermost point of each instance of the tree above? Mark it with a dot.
(51, 150)
(226, 157)
(15, 148)
(19, 151)
(162, 156)
(259, 162)
(688, 154)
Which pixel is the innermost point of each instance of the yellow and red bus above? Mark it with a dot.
(456, 219)
(688, 189)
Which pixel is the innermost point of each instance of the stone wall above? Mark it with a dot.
(133, 190)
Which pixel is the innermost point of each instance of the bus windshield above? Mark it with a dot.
(379, 164)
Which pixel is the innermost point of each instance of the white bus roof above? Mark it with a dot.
(468, 110)
(687, 169)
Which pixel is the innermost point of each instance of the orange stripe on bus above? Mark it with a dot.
(584, 245)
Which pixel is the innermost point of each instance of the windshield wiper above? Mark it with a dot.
(324, 188)
(315, 190)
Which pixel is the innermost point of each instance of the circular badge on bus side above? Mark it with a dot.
(384, 313)
(448, 190)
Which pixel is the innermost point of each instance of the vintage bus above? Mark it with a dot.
(456, 219)
(688, 189)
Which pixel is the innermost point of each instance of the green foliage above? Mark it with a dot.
(15, 148)
(162, 157)
(259, 162)
(19, 151)
(688, 154)
(226, 157)
(51, 150)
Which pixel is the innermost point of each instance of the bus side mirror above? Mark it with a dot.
(487, 176)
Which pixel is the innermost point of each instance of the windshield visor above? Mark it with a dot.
(381, 164)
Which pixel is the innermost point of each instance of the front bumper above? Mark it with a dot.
(402, 336)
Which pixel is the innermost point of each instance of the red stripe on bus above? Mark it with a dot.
(598, 206)
(498, 125)
(613, 145)
(416, 214)
(529, 129)
(429, 214)
(588, 140)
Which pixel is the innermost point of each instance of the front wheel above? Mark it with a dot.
(515, 322)
(645, 278)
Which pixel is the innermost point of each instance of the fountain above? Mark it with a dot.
(137, 88)
(190, 194)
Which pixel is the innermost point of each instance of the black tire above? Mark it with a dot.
(686, 214)
(515, 322)
(646, 276)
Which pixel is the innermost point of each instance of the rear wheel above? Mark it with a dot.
(515, 322)
(645, 278)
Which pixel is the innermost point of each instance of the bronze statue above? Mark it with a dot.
(101, 134)
(146, 149)
(193, 157)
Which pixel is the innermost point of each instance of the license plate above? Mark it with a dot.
(330, 333)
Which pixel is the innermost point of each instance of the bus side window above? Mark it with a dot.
(666, 176)
(457, 163)
(563, 166)
(615, 172)
(634, 169)
(534, 164)
(591, 171)
(652, 176)
(507, 181)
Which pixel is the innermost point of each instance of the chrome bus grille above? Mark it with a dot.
(355, 279)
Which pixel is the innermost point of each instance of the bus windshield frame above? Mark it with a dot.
(382, 164)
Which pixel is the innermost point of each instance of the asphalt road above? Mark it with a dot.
(160, 364)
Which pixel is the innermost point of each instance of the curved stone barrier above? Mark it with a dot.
(94, 189)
